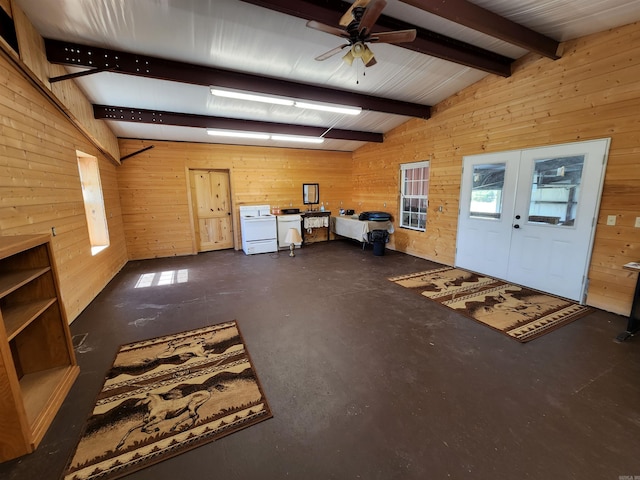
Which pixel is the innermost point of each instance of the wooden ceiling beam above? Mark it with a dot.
(158, 117)
(477, 18)
(426, 42)
(73, 54)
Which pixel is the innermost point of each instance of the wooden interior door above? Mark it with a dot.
(211, 197)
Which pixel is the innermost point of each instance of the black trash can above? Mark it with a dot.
(378, 238)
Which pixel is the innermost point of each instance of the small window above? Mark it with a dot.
(93, 202)
(414, 181)
(486, 194)
(555, 190)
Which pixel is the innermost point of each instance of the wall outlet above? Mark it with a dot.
(611, 220)
(637, 225)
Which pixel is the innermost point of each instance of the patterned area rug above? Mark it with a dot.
(519, 312)
(167, 395)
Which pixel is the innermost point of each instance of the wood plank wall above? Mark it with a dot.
(66, 94)
(591, 92)
(6, 6)
(40, 188)
(154, 187)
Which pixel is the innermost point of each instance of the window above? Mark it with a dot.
(486, 192)
(93, 202)
(414, 178)
(555, 190)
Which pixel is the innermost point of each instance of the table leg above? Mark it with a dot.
(633, 325)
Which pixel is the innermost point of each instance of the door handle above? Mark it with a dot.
(516, 226)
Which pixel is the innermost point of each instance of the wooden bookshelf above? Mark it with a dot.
(37, 361)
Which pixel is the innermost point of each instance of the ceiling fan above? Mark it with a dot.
(357, 23)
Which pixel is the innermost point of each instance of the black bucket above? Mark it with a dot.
(378, 238)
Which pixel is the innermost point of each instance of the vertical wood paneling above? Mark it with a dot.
(591, 92)
(154, 198)
(40, 188)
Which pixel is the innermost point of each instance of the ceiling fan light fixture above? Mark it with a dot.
(238, 134)
(361, 51)
(250, 96)
(348, 58)
(346, 110)
(367, 57)
(296, 138)
(358, 49)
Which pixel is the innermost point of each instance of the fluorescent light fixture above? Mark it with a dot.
(229, 133)
(296, 138)
(330, 108)
(253, 97)
(264, 136)
(259, 97)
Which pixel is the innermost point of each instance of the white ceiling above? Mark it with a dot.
(238, 36)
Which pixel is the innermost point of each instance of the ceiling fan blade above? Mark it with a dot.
(399, 36)
(371, 14)
(327, 29)
(347, 18)
(331, 53)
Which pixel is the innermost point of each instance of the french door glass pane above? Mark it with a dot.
(486, 193)
(555, 190)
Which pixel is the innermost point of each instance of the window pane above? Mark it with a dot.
(93, 201)
(486, 193)
(415, 187)
(555, 190)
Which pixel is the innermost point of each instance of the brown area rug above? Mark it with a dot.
(519, 312)
(165, 396)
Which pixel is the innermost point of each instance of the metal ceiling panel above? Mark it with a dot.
(235, 35)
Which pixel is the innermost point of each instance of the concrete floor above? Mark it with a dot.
(367, 380)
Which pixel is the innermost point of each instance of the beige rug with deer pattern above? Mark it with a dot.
(519, 312)
(165, 396)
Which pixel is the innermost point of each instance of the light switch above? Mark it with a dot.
(611, 220)
(637, 225)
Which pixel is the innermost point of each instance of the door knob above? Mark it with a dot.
(516, 226)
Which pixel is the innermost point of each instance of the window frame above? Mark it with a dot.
(415, 197)
(93, 199)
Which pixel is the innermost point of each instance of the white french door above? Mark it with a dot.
(486, 210)
(528, 216)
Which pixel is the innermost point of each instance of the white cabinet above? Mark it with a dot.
(285, 222)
